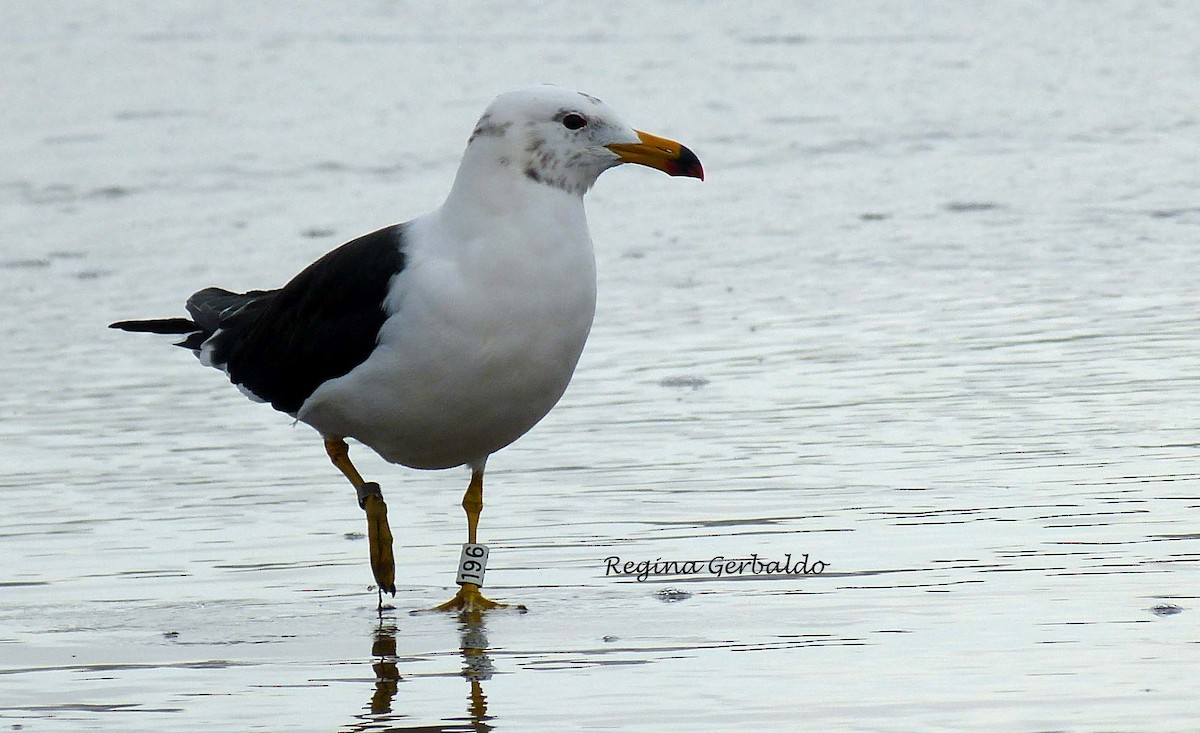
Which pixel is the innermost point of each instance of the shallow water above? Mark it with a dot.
(930, 321)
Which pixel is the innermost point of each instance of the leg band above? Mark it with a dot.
(368, 489)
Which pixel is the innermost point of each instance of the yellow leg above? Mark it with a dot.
(339, 453)
(370, 498)
(469, 599)
(472, 504)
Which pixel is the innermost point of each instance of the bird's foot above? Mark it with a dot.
(470, 600)
(379, 538)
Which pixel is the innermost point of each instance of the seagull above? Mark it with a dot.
(438, 341)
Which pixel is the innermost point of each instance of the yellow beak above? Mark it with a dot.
(659, 152)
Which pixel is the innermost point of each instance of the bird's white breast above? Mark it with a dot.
(488, 319)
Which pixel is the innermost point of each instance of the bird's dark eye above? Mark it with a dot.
(574, 121)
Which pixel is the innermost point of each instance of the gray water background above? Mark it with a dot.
(931, 320)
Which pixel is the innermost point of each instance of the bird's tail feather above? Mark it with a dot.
(196, 335)
(207, 308)
(158, 325)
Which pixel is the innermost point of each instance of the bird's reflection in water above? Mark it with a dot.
(387, 675)
(477, 667)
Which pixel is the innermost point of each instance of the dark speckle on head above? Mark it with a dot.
(487, 127)
(549, 136)
(549, 164)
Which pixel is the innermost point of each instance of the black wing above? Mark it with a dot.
(283, 344)
(280, 345)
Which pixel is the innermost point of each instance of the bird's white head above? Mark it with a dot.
(565, 139)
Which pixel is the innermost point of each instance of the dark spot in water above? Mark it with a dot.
(317, 233)
(109, 192)
(962, 207)
(609, 638)
(672, 595)
(1166, 609)
(170, 634)
(172, 36)
(685, 381)
(92, 274)
(354, 535)
(634, 254)
(54, 711)
(25, 264)
(1172, 213)
(385, 170)
(791, 120)
(151, 114)
(779, 40)
(874, 216)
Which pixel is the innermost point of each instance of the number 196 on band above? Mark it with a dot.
(472, 564)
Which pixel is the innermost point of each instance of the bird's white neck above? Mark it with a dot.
(491, 190)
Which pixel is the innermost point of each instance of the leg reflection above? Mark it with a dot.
(477, 667)
(387, 676)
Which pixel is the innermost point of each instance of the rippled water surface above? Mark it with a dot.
(930, 322)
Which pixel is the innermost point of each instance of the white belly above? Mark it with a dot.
(477, 351)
